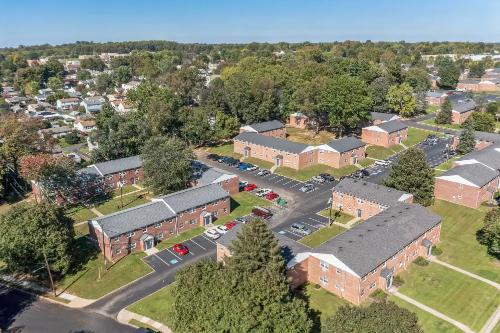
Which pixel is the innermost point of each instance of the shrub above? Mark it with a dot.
(72, 138)
(379, 296)
(421, 261)
(398, 281)
(436, 251)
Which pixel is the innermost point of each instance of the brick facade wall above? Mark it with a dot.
(437, 101)
(464, 195)
(277, 133)
(480, 144)
(459, 118)
(382, 138)
(132, 176)
(298, 122)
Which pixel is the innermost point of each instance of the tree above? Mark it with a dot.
(28, 231)
(93, 63)
(167, 164)
(444, 115)
(401, 99)
(55, 83)
(72, 138)
(186, 83)
(489, 234)
(418, 79)
(379, 89)
(83, 75)
(104, 83)
(378, 317)
(225, 126)
(476, 68)
(481, 121)
(412, 174)
(467, 140)
(196, 129)
(122, 74)
(493, 108)
(448, 72)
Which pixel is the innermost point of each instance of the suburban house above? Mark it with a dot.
(298, 120)
(141, 227)
(364, 258)
(55, 132)
(380, 117)
(123, 171)
(341, 152)
(363, 199)
(385, 134)
(436, 97)
(272, 128)
(469, 84)
(205, 175)
(483, 139)
(84, 125)
(130, 85)
(67, 103)
(490, 81)
(461, 110)
(93, 104)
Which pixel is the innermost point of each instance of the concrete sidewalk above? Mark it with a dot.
(492, 322)
(125, 316)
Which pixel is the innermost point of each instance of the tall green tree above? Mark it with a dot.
(55, 83)
(467, 140)
(448, 72)
(93, 63)
(489, 234)
(444, 115)
(418, 79)
(412, 174)
(383, 317)
(482, 121)
(401, 99)
(379, 89)
(167, 164)
(27, 231)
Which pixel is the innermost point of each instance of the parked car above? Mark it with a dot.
(213, 157)
(232, 162)
(318, 179)
(327, 177)
(241, 219)
(300, 228)
(360, 173)
(263, 172)
(263, 192)
(221, 229)
(180, 249)
(243, 183)
(230, 225)
(262, 212)
(307, 187)
(382, 162)
(250, 187)
(212, 233)
(272, 195)
(243, 166)
(252, 167)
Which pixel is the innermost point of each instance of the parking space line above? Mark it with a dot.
(174, 254)
(288, 182)
(197, 244)
(166, 263)
(293, 233)
(312, 226)
(295, 185)
(208, 239)
(310, 218)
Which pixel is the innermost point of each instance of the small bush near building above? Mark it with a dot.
(420, 261)
(436, 251)
(379, 296)
(72, 138)
(398, 281)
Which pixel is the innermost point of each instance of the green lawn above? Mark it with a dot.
(366, 162)
(226, 149)
(322, 301)
(428, 322)
(85, 282)
(156, 306)
(496, 329)
(182, 237)
(342, 218)
(79, 213)
(126, 189)
(448, 164)
(449, 126)
(432, 109)
(129, 201)
(307, 173)
(456, 295)
(81, 230)
(381, 153)
(458, 240)
(308, 137)
(416, 135)
(258, 162)
(242, 204)
(322, 235)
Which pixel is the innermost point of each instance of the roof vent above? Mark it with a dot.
(386, 221)
(360, 235)
(350, 241)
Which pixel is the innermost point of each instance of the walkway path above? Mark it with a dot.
(125, 316)
(436, 313)
(96, 212)
(472, 275)
(492, 322)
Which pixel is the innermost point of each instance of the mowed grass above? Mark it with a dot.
(416, 135)
(258, 162)
(137, 323)
(308, 137)
(309, 172)
(458, 296)
(241, 205)
(129, 201)
(381, 153)
(322, 301)
(125, 189)
(366, 162)
(432, 109)
(182, 237)
(156, 306)
(458, 240)
(226, 149)
(342, 217)
(428, 322)
(432, 122)
(448, 164)
(322, 235)
(79, 213)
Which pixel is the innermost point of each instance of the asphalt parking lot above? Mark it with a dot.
(312, 221)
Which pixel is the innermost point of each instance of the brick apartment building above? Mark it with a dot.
(489, 82)
(364, 258)
(341, 152)
(205, 175)
(381, 117)
(483, 140)
(126, 170)
(436, 98)
(272, 128)
(298, 120)
(385, 134)
(364, 199)
(141, 227)
(461, 110)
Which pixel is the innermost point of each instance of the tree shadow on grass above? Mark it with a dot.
(314, 315)
(233, 204)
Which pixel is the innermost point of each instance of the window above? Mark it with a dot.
(204, 207)
(338, 271)
(372, 285)
(225, 210)
(118, 251)
(181, 225)
(323, 279)
(364, 278)
(116, 239)
(337, 286)
(160, 235)
(192, 222)
(192, 210)
(362, 292)
(324, 265)
(171, 231)
(132, 246)
(137, 171)
(145, 229)
(130, 234)
(157, 225)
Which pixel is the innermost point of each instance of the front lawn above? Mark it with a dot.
(258, 162)
(81, 230)
(308, 137)
(241, 205)
(226, 149)
(79, 213)
(458, 240)
(416, 135)
(129, 201)
(432, 109)
(456, 295)
(322, 235)
(156, 306)
(432, 122)
(381, 153)
(342, 218)
(366, 162)
(125, 189)
(428, 322)
(309, 172)
(182, 237)
(447, 165)
(92, 281)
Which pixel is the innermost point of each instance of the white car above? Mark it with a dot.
(384, 163)
(212, 233)
(318, 179)
(222, 229)
(263, 191)
(252, 168)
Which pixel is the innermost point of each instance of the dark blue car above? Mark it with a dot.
(243, 166)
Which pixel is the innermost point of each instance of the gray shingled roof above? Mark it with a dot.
(392, 126)
(267, 126)
(345, 144)
(379, 194)
(271, 142)
(485, 136)
(470, 81)
(477, 174)
(204, 174)
(121, 164)
(134, 218)
(369, 244)
(435, 94)
(488, 156)
(464, 106)
(382, 116)
(194, 197)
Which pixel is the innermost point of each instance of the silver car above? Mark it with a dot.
(300, 228)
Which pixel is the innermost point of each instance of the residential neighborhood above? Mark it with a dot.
(313, 172)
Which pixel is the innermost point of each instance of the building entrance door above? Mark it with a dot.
(388, 281)
(358, 212)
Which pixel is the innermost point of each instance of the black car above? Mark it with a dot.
(213, 157)
(327, 177)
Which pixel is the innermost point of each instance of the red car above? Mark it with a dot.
(230, 225)
(180, 249)
(272, 196)
(250, 187)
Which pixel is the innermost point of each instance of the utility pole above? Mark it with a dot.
(104, 249)
(50, 274)
(330, 211)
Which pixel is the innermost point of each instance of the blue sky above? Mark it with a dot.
(35, 22)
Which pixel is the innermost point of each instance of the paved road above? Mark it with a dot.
(23, 312)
